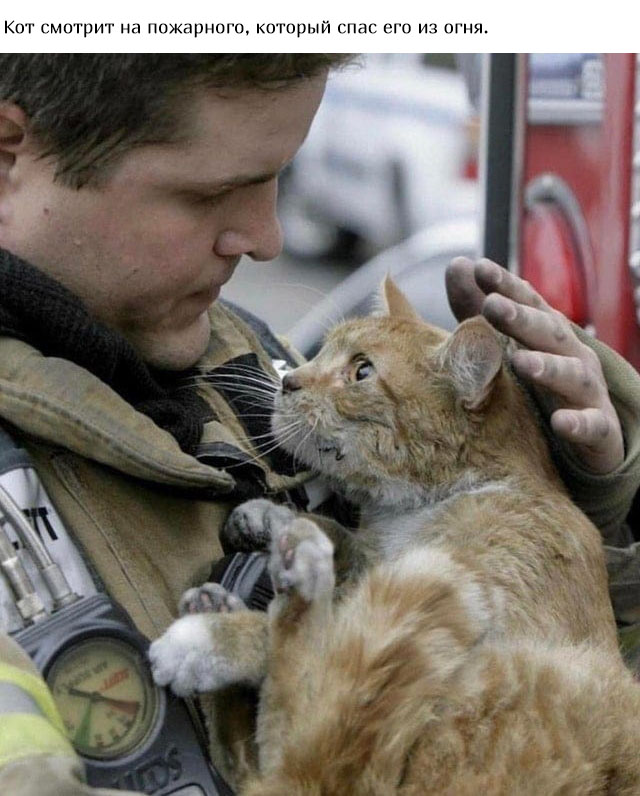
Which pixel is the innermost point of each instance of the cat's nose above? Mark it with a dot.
(290, 383)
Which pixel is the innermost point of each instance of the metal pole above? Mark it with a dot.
(497, 157)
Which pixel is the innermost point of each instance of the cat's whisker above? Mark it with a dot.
(247, 392)
(266, 415)
(242, 377)
(243, 389)
(293, 426)
(271, 435)
(243, 366)
(238, 367)
(261, 401)
(204, 378)
(302, 441)
(235, 376)
(269, 416)
(253, 402)
(268, 450)
(249, 383)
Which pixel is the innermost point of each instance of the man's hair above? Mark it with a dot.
(89, 109)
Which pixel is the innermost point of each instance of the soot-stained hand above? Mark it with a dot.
(565, 372)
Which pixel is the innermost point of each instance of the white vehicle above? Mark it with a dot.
(417, 266)
(388, 154)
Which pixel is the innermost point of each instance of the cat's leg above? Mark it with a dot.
(218, 646)
(301, 567)
(217, 642)
(346, 677)
(251, 527)
(209, 598)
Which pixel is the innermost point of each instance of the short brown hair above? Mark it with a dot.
(88, 109)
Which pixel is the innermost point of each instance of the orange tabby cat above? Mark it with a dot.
(474, 648)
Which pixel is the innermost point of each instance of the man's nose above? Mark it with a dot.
(268, 244)
(256, 230)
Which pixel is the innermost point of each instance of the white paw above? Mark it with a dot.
(302, 560)
(185, 658)
(251, 525)
(209, 598)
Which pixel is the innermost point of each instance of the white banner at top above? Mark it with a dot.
(292, 26)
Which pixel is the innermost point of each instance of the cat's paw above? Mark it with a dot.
(186, 657)
(209, 598)
(251, 525)
(301, 560)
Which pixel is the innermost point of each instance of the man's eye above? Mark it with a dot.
(364, 370)
(206, 200)
(209, 199)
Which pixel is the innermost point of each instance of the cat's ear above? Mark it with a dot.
(395, 302)
(473, 355)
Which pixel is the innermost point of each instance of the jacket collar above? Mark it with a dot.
(56, 401)
(59, 402)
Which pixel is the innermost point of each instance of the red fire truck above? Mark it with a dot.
(562, 184)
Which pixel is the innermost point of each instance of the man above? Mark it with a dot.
(130, 186)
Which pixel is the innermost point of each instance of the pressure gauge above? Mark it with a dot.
(105, 695)
(130, 734)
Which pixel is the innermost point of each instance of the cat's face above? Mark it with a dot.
(389, 399)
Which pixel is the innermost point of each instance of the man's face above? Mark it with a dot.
(148, 252)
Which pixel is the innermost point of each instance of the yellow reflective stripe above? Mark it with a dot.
(36, 688)
(28, 735)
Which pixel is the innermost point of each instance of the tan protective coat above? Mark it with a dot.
(146, 515)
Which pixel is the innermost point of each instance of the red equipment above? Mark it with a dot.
(574, 186)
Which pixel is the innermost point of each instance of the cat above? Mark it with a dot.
(469, 643)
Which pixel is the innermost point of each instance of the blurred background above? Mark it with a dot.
(392, 151)
(531, 159)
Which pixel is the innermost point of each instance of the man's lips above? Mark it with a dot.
(209, 294)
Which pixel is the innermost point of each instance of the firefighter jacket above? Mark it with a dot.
(143, 515)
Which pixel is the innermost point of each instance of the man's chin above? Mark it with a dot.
(174, 349)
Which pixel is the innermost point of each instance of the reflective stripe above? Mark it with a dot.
(35, 687)
(14, 700)
(26, 735)
(29, 720)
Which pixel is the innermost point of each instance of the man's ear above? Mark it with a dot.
(13, 130)
(395, 302)
(473, 356)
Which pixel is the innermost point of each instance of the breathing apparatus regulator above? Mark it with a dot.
(131, 734)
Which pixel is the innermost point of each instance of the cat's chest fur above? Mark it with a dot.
(391, 531)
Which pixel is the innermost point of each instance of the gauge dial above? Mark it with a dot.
(105, 696)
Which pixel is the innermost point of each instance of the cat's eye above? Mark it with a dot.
(364, 369)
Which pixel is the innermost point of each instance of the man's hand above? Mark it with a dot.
(565, 372)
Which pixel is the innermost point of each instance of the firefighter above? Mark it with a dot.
(130, 185)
